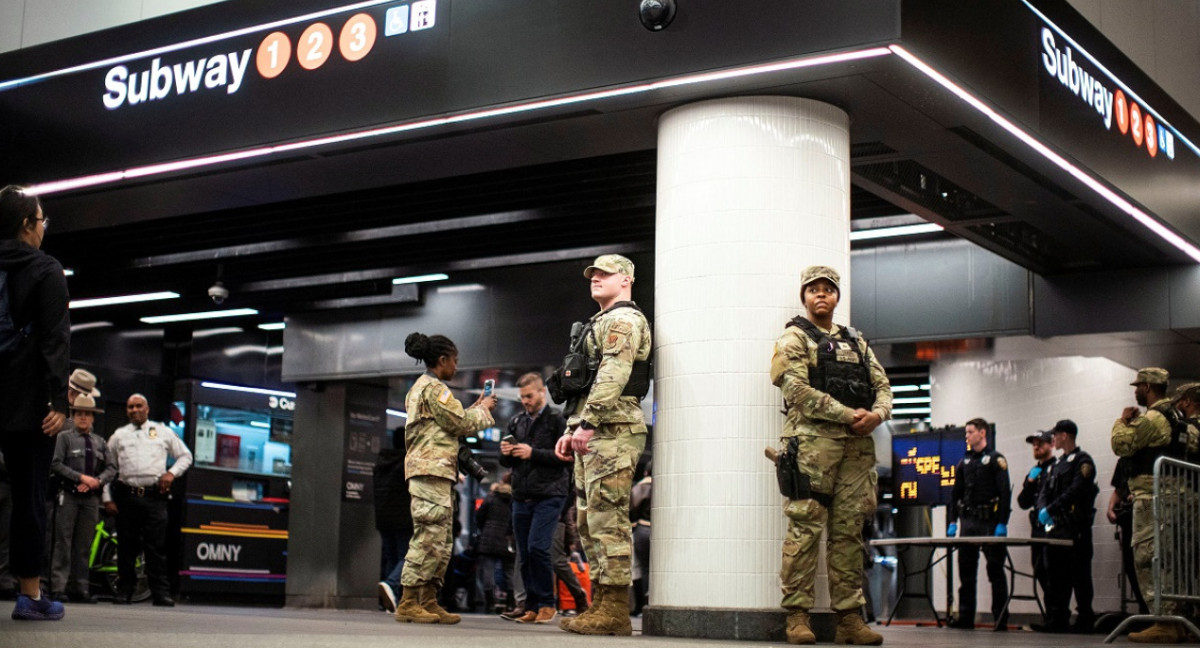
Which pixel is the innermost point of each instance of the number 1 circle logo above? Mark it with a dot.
(273, 55)
(358, 37)
(315, 46)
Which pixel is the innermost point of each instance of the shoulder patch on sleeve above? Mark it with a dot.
(1086, 469)
(444, 397)
(1001, 462)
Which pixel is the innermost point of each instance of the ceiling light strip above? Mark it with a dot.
(273, 326)
(892, 232)
(392, 412)
(248, 390)
(1108, 194)
(122, 299)
(398, 281)
(202, 315)
(57, 186)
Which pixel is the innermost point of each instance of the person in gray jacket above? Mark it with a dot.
(81, 462)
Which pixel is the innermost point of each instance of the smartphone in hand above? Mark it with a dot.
(489, 386)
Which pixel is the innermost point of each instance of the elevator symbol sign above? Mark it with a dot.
(405, 18)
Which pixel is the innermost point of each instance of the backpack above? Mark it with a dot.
(11, 335)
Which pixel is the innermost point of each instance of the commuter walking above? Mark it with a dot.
(436, 420)
(606, 433)
(1066, 508)
(565, 539)
(495, 547)
(35, 338)
(8, 585)
(981, 498)
(540, 481)
(81, 463)
(835, 393)
(393, 521)
(1027, 499)
(140, 450)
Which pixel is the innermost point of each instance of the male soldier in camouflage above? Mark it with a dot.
(1160, 431)
(835, 393)
(607, 433)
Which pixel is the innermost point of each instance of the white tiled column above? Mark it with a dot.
(750, 191)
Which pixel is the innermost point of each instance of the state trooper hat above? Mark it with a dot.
(1151, 376)
(84, 382)
(1042, 435)
(812, 273)
(85, 403)
(611, 263)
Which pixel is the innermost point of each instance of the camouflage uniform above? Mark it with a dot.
(838, 463)
(435, 421)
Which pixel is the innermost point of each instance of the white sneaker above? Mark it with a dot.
(388, 596)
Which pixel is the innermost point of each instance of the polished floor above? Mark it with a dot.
(199, 626)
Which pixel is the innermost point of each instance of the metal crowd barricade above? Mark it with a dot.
(1176, 567)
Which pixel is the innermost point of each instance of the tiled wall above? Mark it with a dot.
(1022, 397)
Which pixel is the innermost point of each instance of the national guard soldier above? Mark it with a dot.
(1043, 457)
(1066, 507)
(1143, 438)
(607, 433)
(835, 393)
(981, 500)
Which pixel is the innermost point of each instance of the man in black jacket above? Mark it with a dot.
(540, 484)
(1043, 457)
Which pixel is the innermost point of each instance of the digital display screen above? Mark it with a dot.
(924, 465)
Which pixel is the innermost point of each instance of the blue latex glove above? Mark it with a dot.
(1033, 474)
(1044, 518)
(1001, 530)
(952, 530)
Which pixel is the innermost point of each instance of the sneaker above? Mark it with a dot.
(513, 614)
(43, 609)
(388, 596)
(529, 617)
(545, 615)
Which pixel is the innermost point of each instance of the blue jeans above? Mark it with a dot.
(394, 545)
(534, 523)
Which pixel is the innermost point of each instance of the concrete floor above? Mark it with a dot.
(200, 626)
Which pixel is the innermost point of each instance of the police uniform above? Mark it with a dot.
(1069, 498)
(839, 465)
(140, 453)
(980, 501)
(1028, 499)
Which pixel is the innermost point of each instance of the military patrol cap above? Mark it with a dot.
(1188, 390)
(1042, 435)
(85, 403)
(1151, 376)
(1065, 425)
(612, 263)
(812, 273)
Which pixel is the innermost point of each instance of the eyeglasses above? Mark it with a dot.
(45, 222)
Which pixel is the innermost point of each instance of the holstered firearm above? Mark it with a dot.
(794, 484)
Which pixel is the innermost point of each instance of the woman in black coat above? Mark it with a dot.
(35, 338)
(495, 545)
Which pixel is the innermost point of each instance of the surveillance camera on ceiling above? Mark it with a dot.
(656, 14)
(218, 293)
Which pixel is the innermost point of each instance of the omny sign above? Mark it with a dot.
(1098, 92)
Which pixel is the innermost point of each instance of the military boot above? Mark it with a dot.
(409, 609)
(597, 595)
(798, 630)
(429, 603)
(608, 617)
(852, 630)
(1159, 633)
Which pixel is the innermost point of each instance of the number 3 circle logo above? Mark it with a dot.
(358, 37)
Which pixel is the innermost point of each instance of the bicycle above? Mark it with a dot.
(102, 566)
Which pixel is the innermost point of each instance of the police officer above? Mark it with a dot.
(1043, 458)
(835, 393)
(606, 432)
(981, 500)
(1066, 507)
(1144, 437)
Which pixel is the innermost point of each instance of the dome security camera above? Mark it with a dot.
(218, 293)
(656, 14)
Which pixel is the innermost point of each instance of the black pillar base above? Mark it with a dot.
(729, 623)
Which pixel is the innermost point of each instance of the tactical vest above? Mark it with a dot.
(1142, 461)
(574, 378)
(842, 370)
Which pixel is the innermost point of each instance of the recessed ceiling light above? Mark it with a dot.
(273, 326)
(420, 278)
(203, 315)
(122, 299)
(891, 232)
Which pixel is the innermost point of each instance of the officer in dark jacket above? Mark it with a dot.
(981, 500)
(1066, 507)
(1043, 457)
(540, 484)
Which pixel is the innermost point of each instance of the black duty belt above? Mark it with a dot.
(978, 511)
(139, 491)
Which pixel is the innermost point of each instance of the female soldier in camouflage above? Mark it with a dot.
(435, 421)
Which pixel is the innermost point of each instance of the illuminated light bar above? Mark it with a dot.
(910, 410)
(87, 326)
(225, 330)
(471, 287)
(392, 412)
(904, 388)
(469, 116)
(8, 85)
(67, 272)
(273, 326)
(891, 232)
(248, 390)
(1111, 196)
(202, 315)
(122, 299)
(260, 424)
(914, 400)
(420, 279)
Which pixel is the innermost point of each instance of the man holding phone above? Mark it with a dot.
(540, 482)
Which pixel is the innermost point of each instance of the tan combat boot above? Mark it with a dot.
(852, 630)
(798, 630)
(1159, 633)
(608, 617)
(409, 609)
(597, 595)
(429, 603)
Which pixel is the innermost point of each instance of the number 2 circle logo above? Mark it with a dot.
(315, 46)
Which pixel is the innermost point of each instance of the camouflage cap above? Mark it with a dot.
(1151, 376)
(612, 263)
(812, 273)
(1190, 390)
